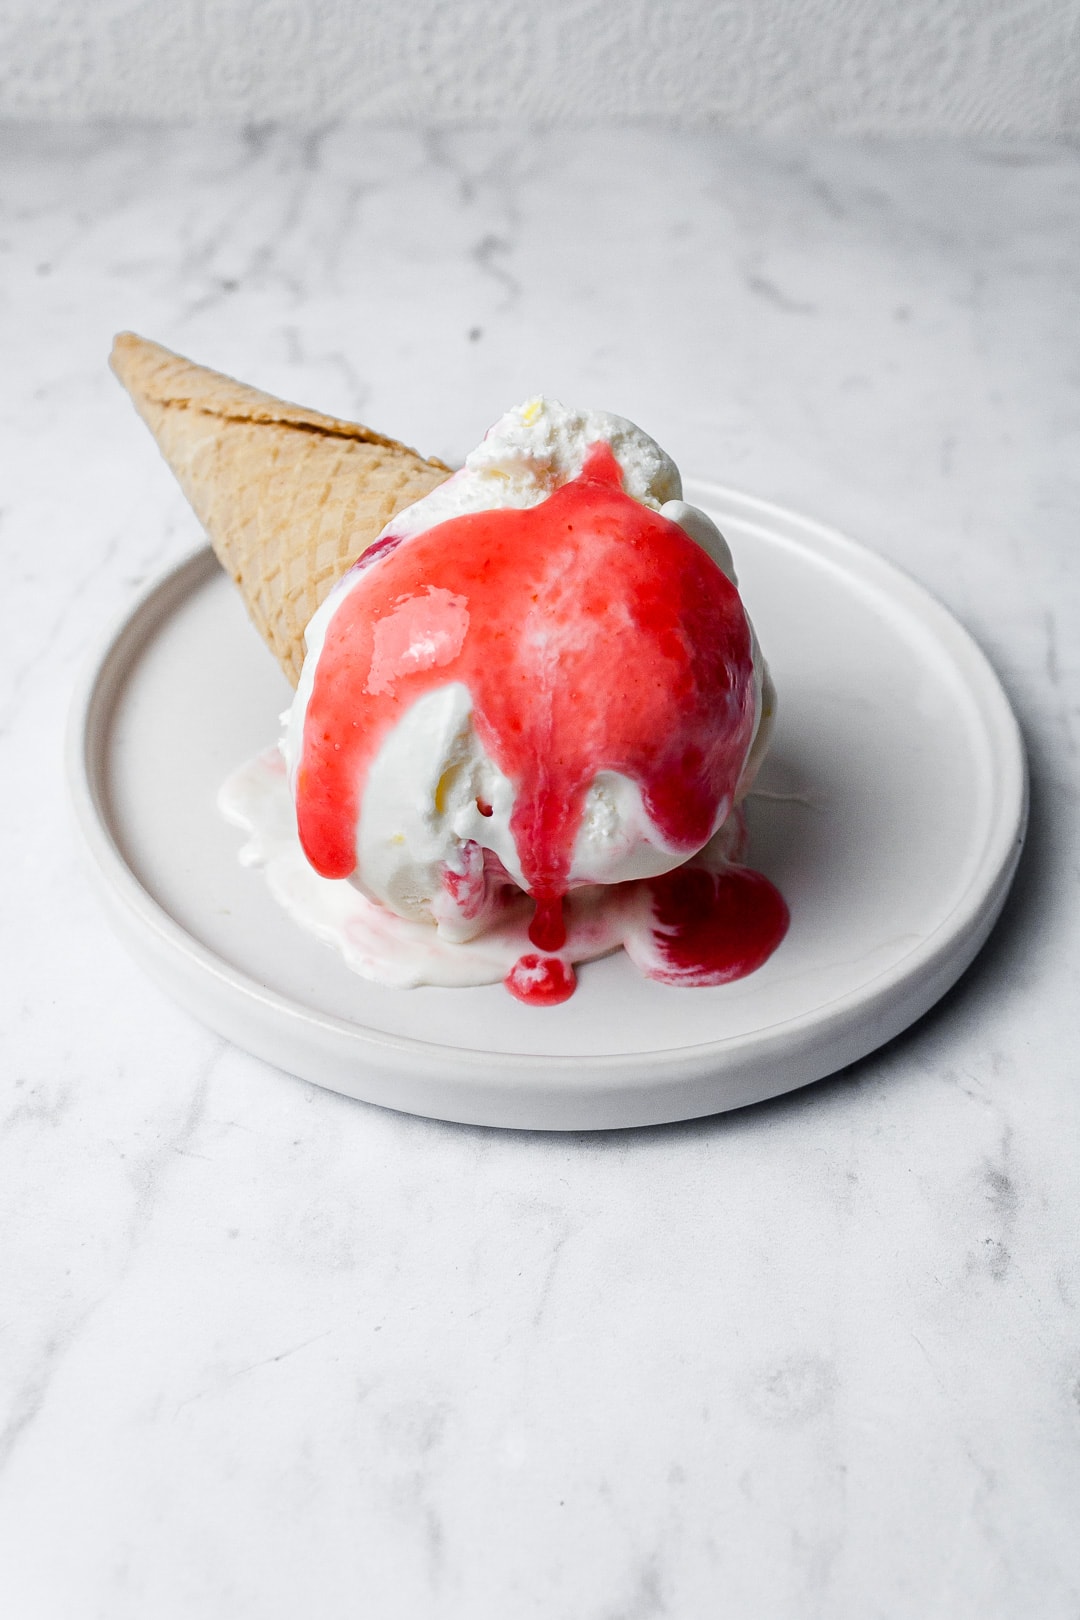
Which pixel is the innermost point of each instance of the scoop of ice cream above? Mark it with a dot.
(500, 696)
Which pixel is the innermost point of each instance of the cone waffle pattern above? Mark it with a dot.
(288, 497)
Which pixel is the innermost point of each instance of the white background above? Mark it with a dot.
(830, 66)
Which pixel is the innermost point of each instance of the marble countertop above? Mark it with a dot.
(267, 1352)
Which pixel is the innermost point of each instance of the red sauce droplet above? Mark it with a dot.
(541, 981)
(484, 808)
(712, 927)
(371, 554)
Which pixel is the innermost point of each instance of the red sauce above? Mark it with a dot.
(712, 927)
(541, 981)
(468, 886)
(592, 634)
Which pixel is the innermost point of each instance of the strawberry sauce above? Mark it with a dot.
(592, 634)
(712, 927)
(541, 981)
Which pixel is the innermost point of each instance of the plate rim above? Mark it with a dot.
(952, 944)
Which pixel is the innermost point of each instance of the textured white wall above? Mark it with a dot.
(849, 66)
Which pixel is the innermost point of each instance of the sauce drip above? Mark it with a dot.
(592, 634)
(548, 928)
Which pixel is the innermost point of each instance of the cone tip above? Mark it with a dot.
(124, 343)
(128, 350)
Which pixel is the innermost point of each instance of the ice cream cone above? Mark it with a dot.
(288, 497)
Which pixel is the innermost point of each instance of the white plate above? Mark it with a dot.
(899, 812)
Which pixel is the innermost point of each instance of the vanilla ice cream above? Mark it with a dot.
(496, 707)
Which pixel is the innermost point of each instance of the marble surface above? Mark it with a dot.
(267, 1352)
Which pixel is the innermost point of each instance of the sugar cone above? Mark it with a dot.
(288, 497)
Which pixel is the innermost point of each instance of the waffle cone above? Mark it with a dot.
(288, 497)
